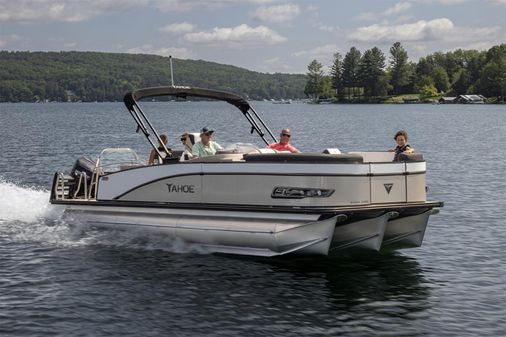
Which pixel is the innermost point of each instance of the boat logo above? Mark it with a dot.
(300, 192)
(388, 187)
(181, 188)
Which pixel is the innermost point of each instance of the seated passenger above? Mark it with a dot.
(205, 146)
(188, 141)
(401, 138)
(153, 155)
(284, 142)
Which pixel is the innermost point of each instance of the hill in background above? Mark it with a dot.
(95, 76)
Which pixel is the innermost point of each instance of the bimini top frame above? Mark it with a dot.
(131, 102)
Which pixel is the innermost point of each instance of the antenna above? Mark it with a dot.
(171, 72)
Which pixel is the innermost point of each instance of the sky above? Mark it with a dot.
(261, 35)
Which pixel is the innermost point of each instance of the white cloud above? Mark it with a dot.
(76, 10)
(441, 29)
(327, 28)
(279, 13)
(61, 10)
(394, 10)
(325, 51)
(240, 35)
(183, 27)
(397, 8)
(442, 2)
(418, 31)
(497, 2)
(184, 5)
(181, 53)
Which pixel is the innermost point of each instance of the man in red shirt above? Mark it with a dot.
(284, 142)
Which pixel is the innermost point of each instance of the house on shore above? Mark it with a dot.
(447, 100)
(464, 99)
(471, 99)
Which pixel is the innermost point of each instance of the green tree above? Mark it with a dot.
(493, 78)
(372, 72)
(462, 82)
(314, 83)
(424, 81)
(441, 81)
(326, 89)
(336, 74)
(351, 63)
(400, 71)
(428, 91)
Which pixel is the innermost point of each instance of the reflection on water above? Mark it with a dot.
(355, 279)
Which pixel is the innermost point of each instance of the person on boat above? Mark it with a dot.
(205, 146)
(401, 138)
(153, 156)
(188, 141)
(284, 142)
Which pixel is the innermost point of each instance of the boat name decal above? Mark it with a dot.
(388, 187)
(300, 193)
(181, 188)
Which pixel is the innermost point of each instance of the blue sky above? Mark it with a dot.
(262, 35)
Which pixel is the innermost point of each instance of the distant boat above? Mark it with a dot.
(281, 101)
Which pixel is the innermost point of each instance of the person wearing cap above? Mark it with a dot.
(205, 146)
(284, 143)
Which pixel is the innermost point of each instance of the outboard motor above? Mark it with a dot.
(82, 165)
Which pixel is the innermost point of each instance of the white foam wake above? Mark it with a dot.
(24, 204)
(26, 215)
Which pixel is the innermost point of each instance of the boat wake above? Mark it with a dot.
(27, 216)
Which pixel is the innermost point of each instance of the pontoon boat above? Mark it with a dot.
(246, 201)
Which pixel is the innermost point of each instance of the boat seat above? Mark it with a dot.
(413, 157)
(220, 158)
(302, 158)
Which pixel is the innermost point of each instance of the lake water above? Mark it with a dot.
(61, 281)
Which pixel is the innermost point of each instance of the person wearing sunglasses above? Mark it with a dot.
(284, 143)
(188, 140)
(205, 146)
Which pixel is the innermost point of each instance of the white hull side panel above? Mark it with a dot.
(245, 183)
(249, 233)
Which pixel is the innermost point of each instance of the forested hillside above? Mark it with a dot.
(94, 76)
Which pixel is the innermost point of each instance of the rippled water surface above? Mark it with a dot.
(58, 279)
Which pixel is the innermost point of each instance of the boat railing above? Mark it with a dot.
(61, 189)
(82, 181)
(110, 160)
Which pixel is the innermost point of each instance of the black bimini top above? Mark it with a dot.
(182, 92)
(143, 124)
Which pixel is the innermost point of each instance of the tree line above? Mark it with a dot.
(367, 76)
(95, 76)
